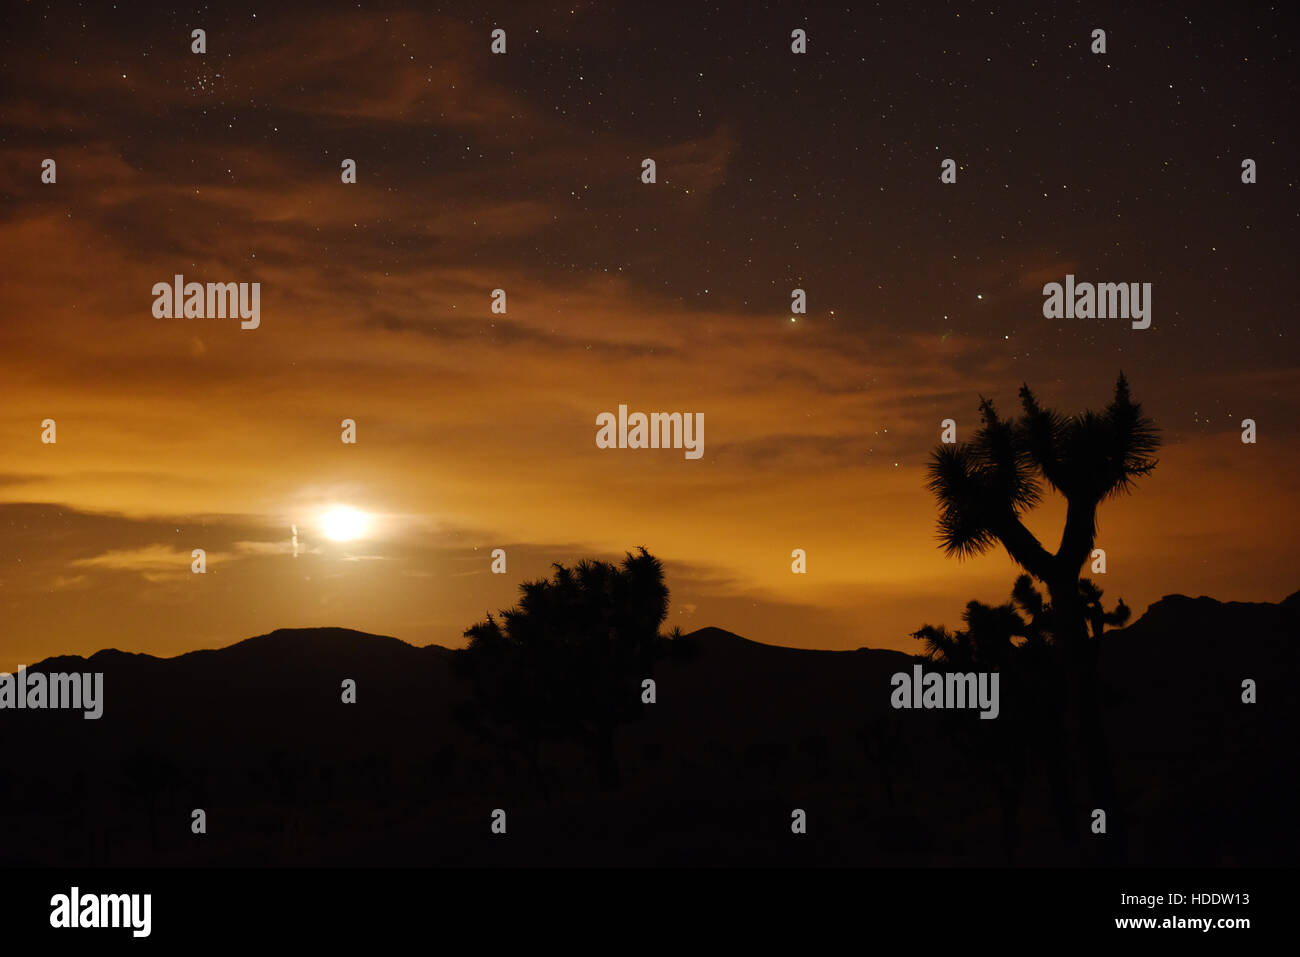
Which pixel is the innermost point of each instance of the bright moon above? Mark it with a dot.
(344, 524)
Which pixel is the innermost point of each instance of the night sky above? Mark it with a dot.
(522, 171)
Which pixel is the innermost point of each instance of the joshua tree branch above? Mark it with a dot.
(1079, 535)
(1024, 548)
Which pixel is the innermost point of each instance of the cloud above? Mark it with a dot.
(149, 558)
(698, 166)
(61, 582)
(273, 548)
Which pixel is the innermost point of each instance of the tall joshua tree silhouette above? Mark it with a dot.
(985, 486)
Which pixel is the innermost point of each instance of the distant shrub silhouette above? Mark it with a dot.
(149, 775)
(885, 747)
(568, 661)
(1096, 616)
(994, 634)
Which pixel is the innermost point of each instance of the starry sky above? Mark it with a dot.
(522, 171)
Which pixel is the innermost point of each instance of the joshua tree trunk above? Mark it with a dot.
(1084, 728)
(985, 486)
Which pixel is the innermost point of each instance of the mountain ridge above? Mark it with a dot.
(292, 772)
(1176, 606)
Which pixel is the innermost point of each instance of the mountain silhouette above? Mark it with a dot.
(256, 735)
